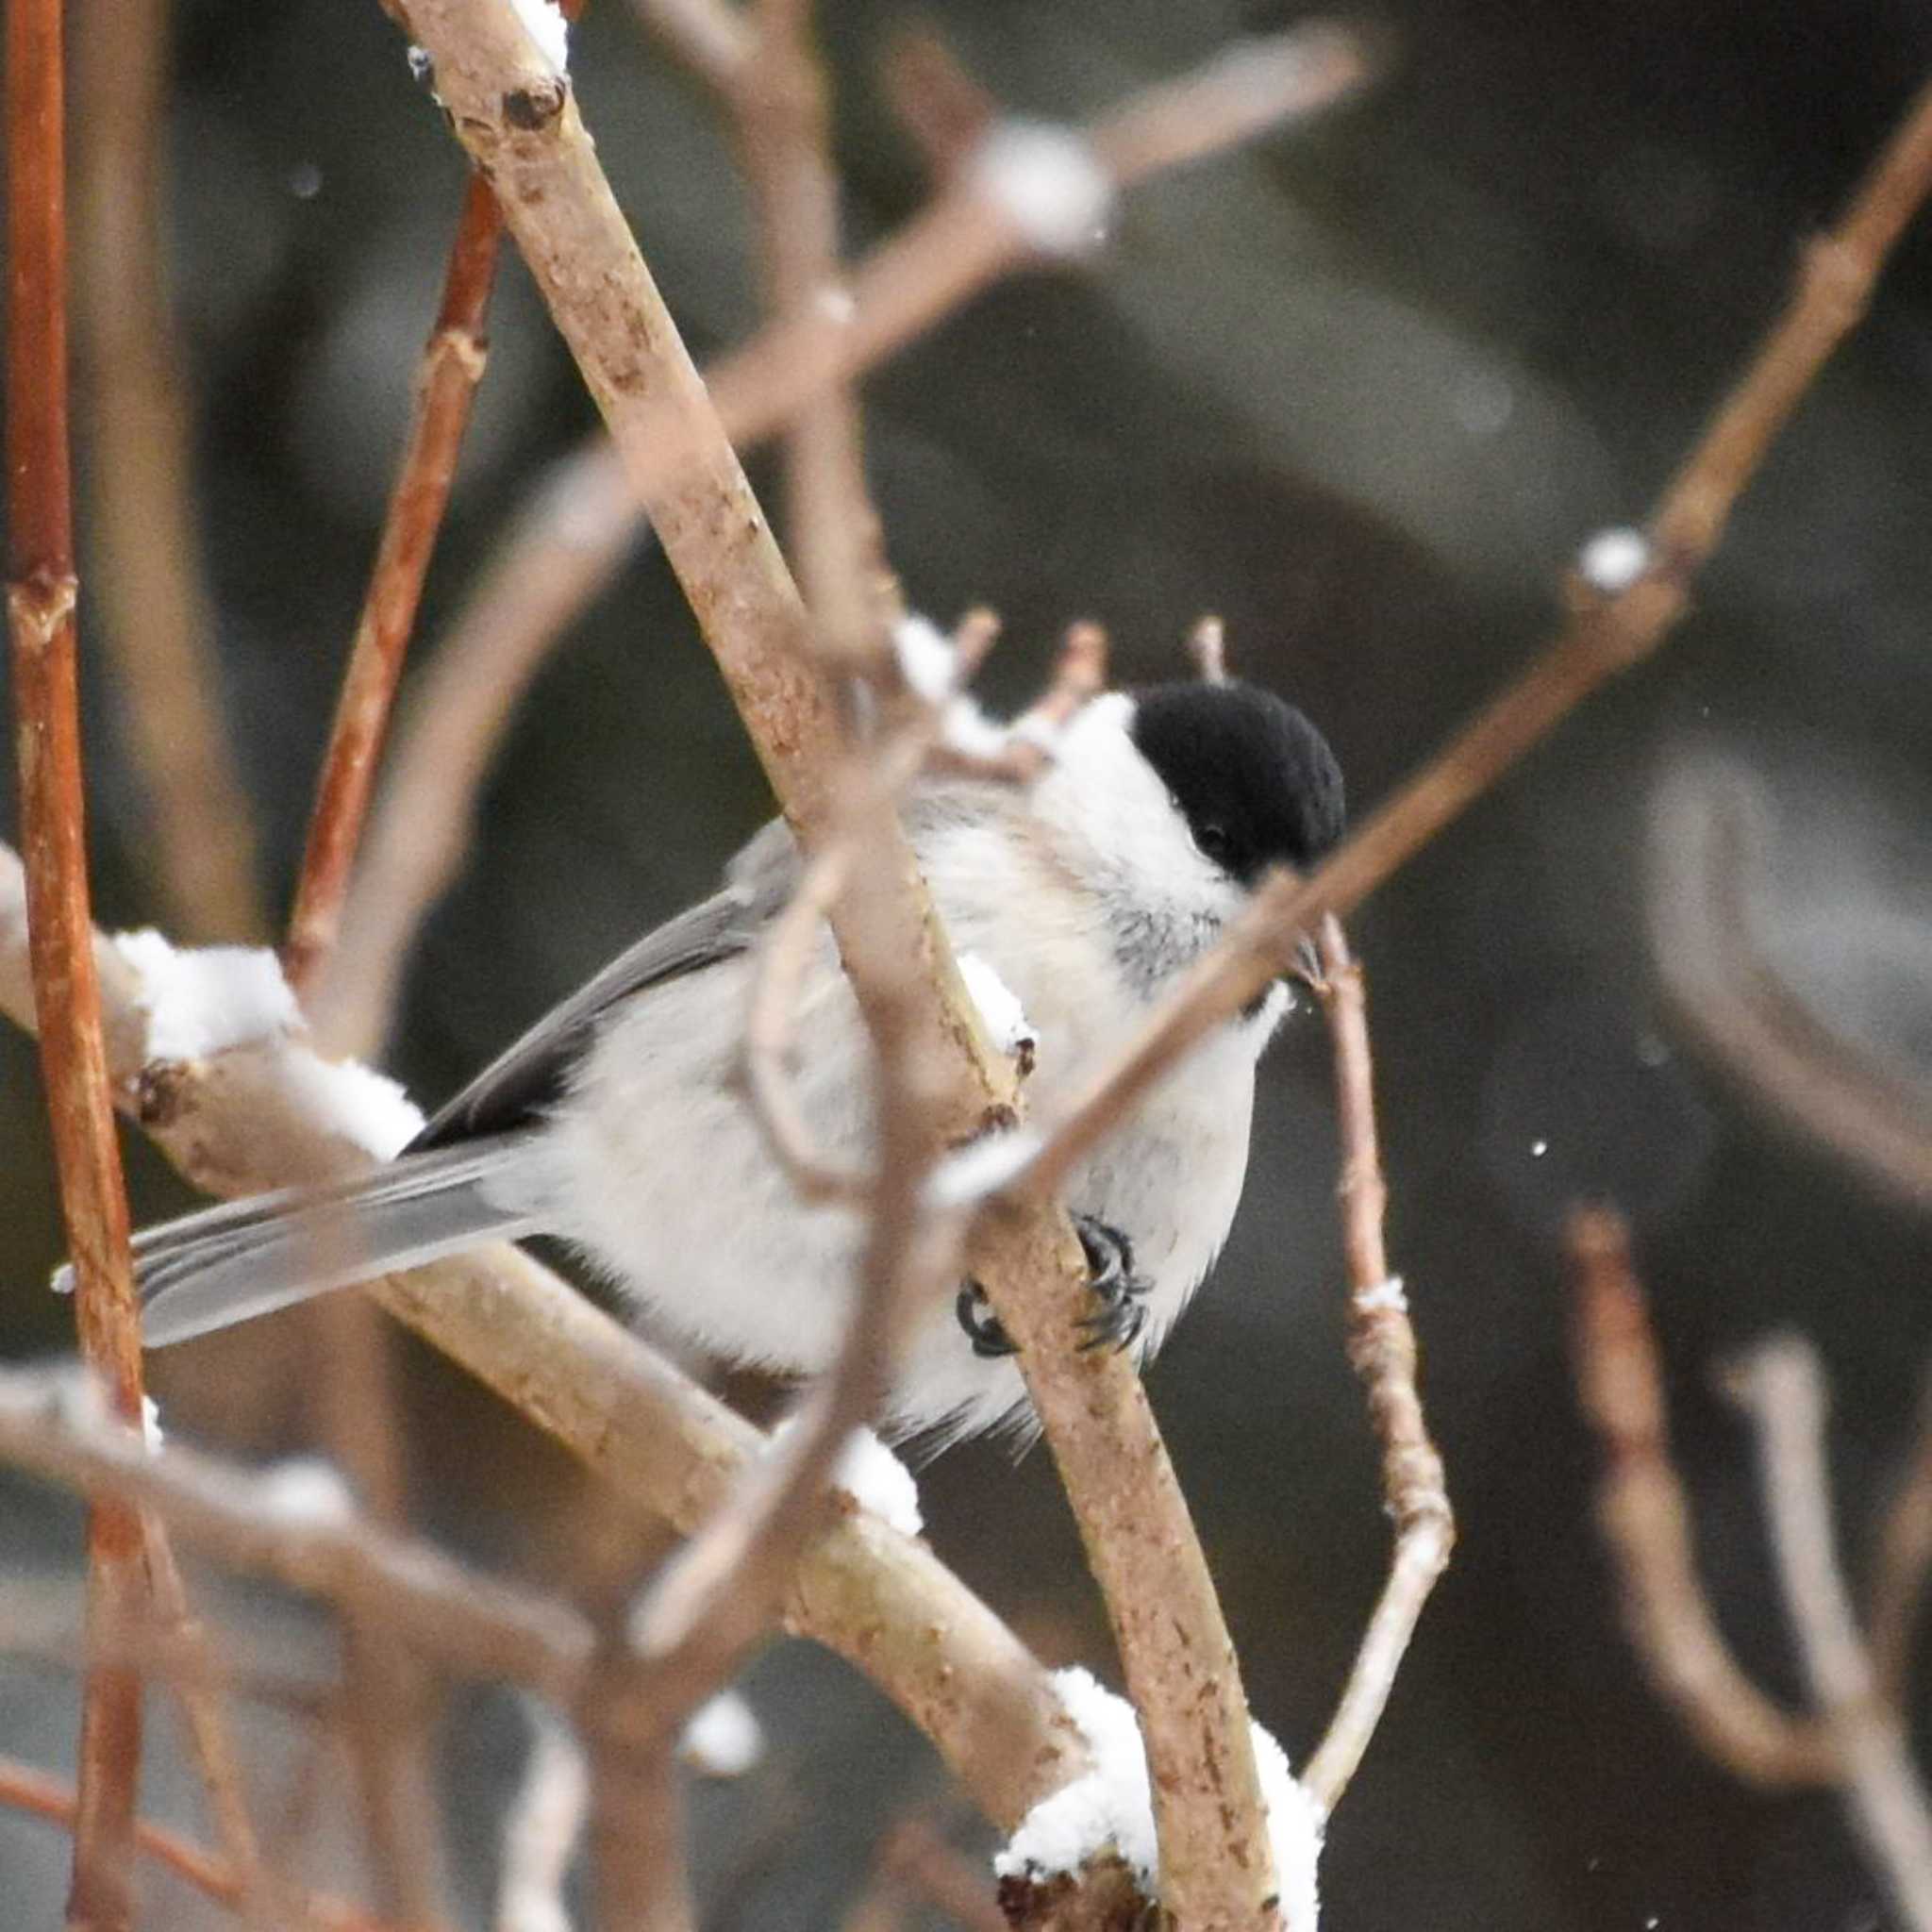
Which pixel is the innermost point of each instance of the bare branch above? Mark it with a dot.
(1645, 1522)
(1904, 1556)
(566, 544)
(1780, 1387)
(570, 541)
(446, 381)
(37, 1795)
(1604, 634)
(241, 1123)
(300, 1525)
(41, 594)
(1709, 826)
(158, 626)
(1382, 1347)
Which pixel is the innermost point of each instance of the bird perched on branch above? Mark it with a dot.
(620, 1123)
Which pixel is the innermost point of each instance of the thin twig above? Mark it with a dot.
(1781, 1388)
(300, 1525)
(915, 1865)
(240, 1122)
(1710, 827)
(210, 1742)
(565, 545)
(38, 1794)
(158, 627)
(1604, 634)
(446, 382)
(1904, 1560)
(782, 122)
(41, 595)
(1382, 1347)
(571, 539)
(1644, 1518)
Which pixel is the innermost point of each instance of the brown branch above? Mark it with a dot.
(569, 542)
(915, 1865)
(158, 626)
(37, 1795)
(1904, 1560)
(1644, 1518)
(1709, 828)
(210, 1744)
(1382, 1348)
(781, 119)
(1604, 634)
(1782, 1389)
(40, 593)
(241, 1123)
(446, 381)
(300, 1525)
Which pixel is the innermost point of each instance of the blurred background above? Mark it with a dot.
(1362, 389)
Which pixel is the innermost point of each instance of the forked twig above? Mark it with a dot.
(1645, 1522)
(1382, 1347)
(38, 1794)
(1780, 1387)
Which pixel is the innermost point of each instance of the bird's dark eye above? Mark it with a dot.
(1216, 842)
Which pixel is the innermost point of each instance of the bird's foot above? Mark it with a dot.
(982, 1326)
(1122, 1293)
(1118, 1321)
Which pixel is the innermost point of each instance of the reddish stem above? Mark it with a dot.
(452, 366)
(39, 601)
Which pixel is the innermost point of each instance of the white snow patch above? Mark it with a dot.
(202, 999)
(544, 1822)
(354, 1102)
(544, 23)
(873, 1476)
(1385, 1295)
(1043, 734)
(306, 1493)
(982, 1168)
(1112, 1806)
(1048, 182)
(927, 660)
(724, 1738)
(1000, 1012)
(151, 1425)
(966, 729)
(880, 1482)
(1612, 560)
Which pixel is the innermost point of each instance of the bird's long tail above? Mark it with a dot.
(230, 1263)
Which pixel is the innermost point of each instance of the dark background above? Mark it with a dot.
(1363, 389)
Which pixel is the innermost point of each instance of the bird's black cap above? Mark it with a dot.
(1255, 781)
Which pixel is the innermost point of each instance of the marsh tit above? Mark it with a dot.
(620, 1123)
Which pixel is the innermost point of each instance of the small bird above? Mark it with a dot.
(621, 1123)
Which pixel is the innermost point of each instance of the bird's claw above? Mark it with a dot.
(982, 1326)
(1123, 1312)
(1117, 1322)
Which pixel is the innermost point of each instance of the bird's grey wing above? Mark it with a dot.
(527, 1076)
